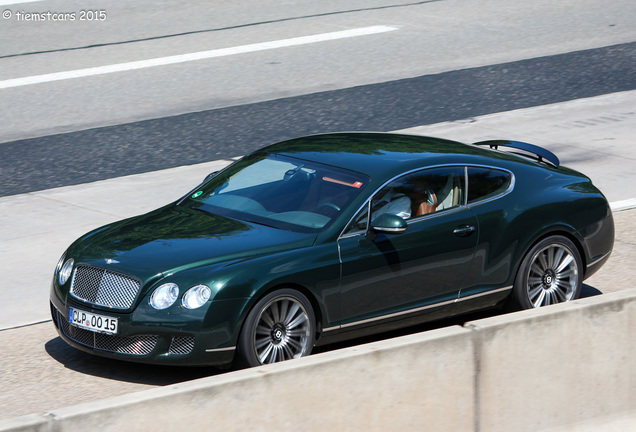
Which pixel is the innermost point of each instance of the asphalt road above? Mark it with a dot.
(150, 145)
(444, 60)
(429, 37)
(441, 60)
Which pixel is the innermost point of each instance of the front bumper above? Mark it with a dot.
(144, 341)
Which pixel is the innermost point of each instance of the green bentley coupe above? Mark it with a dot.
(329, 237)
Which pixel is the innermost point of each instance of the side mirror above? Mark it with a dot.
(389, 224)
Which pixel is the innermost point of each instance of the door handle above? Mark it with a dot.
(464, 230)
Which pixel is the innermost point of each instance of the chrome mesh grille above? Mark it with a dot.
(103, 287)
(136, 345)
(181, 345)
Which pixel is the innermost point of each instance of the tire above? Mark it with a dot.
(281, 326)
(551, 272)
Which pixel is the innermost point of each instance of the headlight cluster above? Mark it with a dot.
(64, 270)
(165, 296)
(196, 297)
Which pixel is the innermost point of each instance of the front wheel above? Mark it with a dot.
(281, 326)
(551, 272)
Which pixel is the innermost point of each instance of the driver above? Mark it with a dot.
(392, 202)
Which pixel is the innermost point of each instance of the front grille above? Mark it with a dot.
(181, 345)
(103, 287)
(137, 345)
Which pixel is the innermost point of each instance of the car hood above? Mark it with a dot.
(174, 238)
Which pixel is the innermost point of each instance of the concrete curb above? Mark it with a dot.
(565, 367)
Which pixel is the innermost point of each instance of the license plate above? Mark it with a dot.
(92, 322)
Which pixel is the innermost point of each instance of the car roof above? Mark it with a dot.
(383, 154)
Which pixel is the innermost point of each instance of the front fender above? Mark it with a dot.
(314, 270)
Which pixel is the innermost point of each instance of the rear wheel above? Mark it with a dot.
(281, 326)
(551, 272)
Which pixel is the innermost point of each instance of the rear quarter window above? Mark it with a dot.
(486, 183)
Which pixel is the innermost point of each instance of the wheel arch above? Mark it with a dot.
(520, 297)
(246, 353)
(313, 301)
(554, 231)
(557, 231)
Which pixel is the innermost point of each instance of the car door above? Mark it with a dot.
(393, 275)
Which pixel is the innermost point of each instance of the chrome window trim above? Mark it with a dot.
(465, 204)
(511, 186)
(436, 214)
(368, 201)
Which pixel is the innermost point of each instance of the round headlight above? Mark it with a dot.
(164, 296)
(65, 271)
(60, 263)
(196, 297)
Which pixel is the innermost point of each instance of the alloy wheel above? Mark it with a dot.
(553, 276)
(283, 331)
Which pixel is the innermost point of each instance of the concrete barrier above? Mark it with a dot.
(566, 367)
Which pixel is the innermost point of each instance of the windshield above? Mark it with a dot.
(279, 191)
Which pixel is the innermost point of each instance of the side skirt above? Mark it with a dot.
(463, 305)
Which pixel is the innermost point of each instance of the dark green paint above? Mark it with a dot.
(351, 281)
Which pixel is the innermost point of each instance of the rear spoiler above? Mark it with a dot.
(539, 152)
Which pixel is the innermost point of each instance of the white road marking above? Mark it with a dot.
(182, 58)
(627, 204)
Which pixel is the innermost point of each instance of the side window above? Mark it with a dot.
(421, 193)
(414, 195)
(360, 222)
(484, 183)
